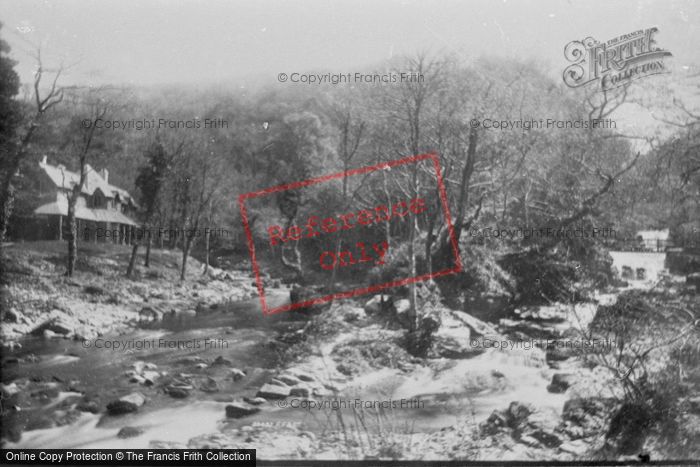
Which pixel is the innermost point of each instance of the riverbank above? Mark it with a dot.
(99, 298)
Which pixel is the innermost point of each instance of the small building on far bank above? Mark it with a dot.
(104, 212)
(654, 240)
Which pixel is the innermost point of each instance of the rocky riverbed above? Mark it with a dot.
(333, 385)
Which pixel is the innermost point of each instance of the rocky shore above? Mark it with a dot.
(99, 298)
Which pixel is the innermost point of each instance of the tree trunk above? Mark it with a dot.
(8, 201)
(147, 261)
(72, 234)
(413, 295)
(206, 253)
(186, 246)
(185, 253)
(132, 260)
(339, 240)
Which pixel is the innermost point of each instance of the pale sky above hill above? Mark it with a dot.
(188, 41)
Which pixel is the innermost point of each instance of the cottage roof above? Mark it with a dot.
(65, 179)
(60, 207)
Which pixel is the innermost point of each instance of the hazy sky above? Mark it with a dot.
(187, 41)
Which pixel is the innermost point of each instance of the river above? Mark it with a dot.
(100, 372)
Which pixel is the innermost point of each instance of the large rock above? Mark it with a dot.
(456, 337)
(130, 432)
(135, 398)
(303, 375)
(379, 303)
(300, 391)
(452, 340)
(289, 379)
(547, 438)
(150, 377)
(221, 361)
(126, 404)
(240, 410)
(178, 392)
(402, 306)
(11, 316)
(273, 391)
(209, 385)
(237, 374)
(54, 325)
(561, 382)
(87, 405)
(514, 417)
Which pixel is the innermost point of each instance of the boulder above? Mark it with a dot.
(9, 390)
(10, 316)
(149, 313)
(548, 439)
(126, 404)
(273, 391)
(137, 379)
(306, 377)
(379, 303)
(178, 392)
(402, 306)
(240, 410)
(221, 361)
(55, 325)
(149, 377)
(237, 374)
(130, 432)
(289, 380)
(517, 414)
(86, 405)
(209, 385)
(300, 391)
(514, 417)
(453, 339)
(561, 382)
(135, 398)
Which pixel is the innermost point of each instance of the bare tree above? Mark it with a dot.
(98, 107)
(44, 100)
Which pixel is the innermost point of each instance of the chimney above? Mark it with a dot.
(104, 173)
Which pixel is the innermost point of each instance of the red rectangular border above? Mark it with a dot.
(361, 291)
